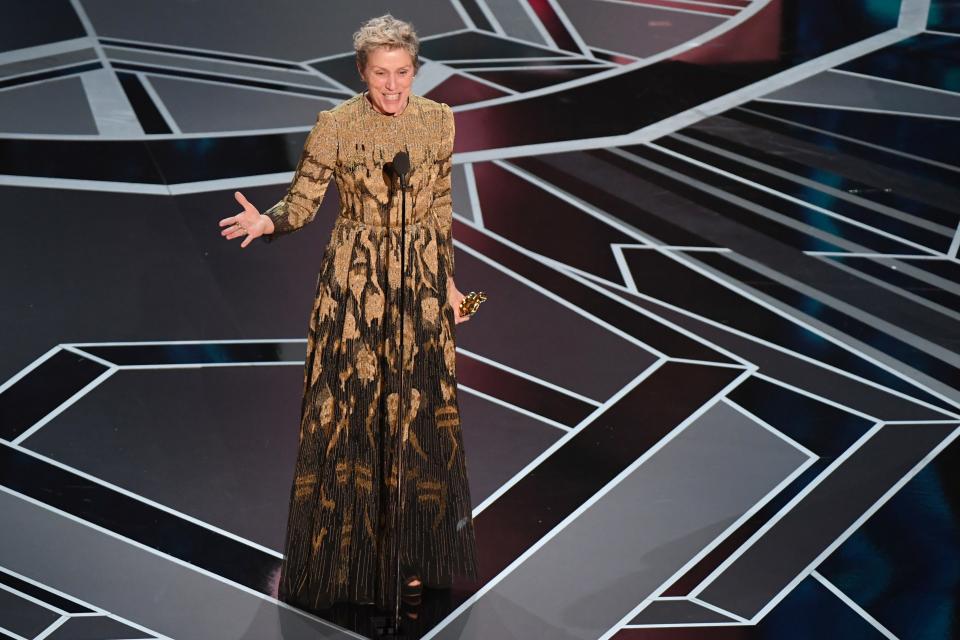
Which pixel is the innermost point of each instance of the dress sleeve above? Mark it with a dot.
(442, 198)
(310, 180)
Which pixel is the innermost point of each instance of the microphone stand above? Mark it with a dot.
(400, 166)
(404, 187)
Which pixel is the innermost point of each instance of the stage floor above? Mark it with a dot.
(714, 393)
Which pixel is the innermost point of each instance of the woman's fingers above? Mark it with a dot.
(231, 230)
(242, 199)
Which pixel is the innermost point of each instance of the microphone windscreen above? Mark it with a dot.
(401, 163)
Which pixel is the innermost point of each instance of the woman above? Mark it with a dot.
(349, 482)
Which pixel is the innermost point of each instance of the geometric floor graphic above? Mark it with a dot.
(33, 610)
(714, 392)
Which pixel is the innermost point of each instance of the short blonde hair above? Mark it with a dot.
(389, 32)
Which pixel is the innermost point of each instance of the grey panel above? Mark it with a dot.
(295, 30)
(678, 612)
(46, 62)
(636, 30)
(832, 89)
(216, 66)
(31, 24)
(54, 106)
(815, 523)
(876, 172)
(461, 197)
(201, 106)
(139, 585)
(514, 20)
(498, 442)
(96, 628)
(22, 616)
(111, 108)
(179, 437)
(511, 330)
(846, 391)
(624, 546)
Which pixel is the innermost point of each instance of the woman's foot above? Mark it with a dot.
(412, 590)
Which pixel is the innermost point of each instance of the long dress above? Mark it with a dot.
(341, 533)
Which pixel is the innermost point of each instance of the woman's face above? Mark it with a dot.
(389, 76)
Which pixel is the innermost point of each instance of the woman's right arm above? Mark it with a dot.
(310, 180)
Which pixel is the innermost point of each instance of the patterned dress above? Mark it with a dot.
(341, 533)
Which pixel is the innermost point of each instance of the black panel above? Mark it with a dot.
(805, 215)
(43, 389)
(780, 233)
(119, 160)
(657, 335)
(53, 73)
(22, 616)
(925, 137)
(809, 611)
(521, 392)
(95, 628)
(926, 59)
(891, 275)
(530, 79)
(604, 448)
(39, 593)
(860, 330)
(531, 62)
(677, 612)
(558, 31)
(193, 53)
(808, 30)
(603, 191)
(888, 224)
(459, 89)
(343, 69)
(730, 135)
(679, 285)
(821, 517)
(476, 15)
(236, 80)
(202, 353)
(901, 565)
(518, 210)
(473, 45)
(944, 16)
(825, 430)
(947, 269)
(832, 138)
(135, 520)
(28, 24)
(147, 113)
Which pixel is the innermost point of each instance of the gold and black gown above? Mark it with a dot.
(340, 541)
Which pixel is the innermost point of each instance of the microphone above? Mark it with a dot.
(401, 166)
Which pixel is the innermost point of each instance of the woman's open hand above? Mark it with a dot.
(249, 222)
(454, 297)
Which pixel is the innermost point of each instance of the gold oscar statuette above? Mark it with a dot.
(471, 302)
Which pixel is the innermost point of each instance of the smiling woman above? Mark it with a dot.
(380, 504)
(387, 59)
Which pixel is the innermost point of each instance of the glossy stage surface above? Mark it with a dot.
(715, 390)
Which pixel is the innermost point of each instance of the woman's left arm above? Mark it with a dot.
(443, 206)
